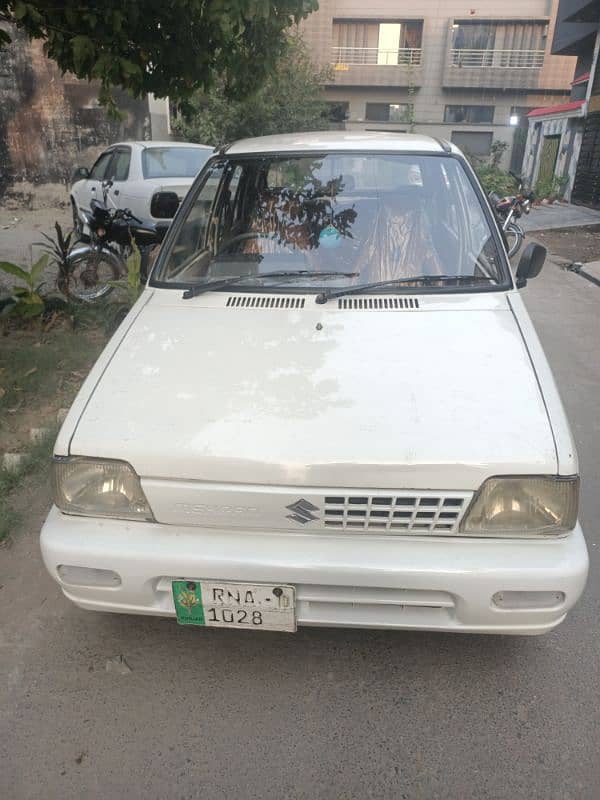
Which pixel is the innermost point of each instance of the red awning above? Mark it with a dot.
(560, 109)
(581, 79)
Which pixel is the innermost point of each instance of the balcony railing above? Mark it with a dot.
(375, 56)
(503, 59)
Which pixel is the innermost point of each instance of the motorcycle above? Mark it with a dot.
(508, 210)
(93, 266)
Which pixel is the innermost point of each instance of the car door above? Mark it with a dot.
(118, 172)
(92, 187)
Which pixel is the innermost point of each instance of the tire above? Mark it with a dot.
(91, 271)
(514, 238)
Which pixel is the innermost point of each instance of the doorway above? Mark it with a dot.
(548, 158)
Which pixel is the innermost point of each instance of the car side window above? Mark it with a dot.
(119, 167)
(193, 239)
(99, 169)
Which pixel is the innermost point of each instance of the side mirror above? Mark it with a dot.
(80, 174)
(164, 205)
(530, 263)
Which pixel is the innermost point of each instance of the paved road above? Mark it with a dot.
(559, 215)
(323, 714)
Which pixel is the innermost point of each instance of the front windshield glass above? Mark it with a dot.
(383, 217)
(173, 162)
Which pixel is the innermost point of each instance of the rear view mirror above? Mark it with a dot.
(164, 205)
(80, 174)
(530, 263)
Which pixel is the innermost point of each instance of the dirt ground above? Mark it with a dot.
(573, 244)
(26, 214)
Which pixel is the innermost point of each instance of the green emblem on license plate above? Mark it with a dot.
(187, 596)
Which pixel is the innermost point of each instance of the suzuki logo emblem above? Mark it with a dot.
(302, 511)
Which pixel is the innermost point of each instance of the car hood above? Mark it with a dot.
(439, 396)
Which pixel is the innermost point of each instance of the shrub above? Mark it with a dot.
(25, 301)
(551, 187)
(493, 179)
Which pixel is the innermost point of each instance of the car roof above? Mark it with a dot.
(356, 141)
(153, 143)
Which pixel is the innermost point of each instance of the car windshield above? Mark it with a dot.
(173, 162)
(372, 217)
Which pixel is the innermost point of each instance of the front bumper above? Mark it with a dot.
(440, 584)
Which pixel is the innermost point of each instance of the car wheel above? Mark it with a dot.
(91, 274)
(514, 239)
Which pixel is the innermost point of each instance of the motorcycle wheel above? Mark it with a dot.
(90, 273)
(514, 238)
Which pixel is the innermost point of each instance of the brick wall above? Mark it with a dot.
(49, 123)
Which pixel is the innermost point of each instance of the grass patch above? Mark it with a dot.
(41, 371)
(37, 462)
(42, 366)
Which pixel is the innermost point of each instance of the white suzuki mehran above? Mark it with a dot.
(328, 407)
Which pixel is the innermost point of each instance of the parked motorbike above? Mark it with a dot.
(509, 209)
(93, 266)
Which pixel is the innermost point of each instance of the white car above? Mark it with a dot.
(149, 178)
(328, 407)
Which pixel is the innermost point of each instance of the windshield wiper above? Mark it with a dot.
(211, 286)
(329, 294)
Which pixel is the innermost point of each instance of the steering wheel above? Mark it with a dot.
(245, 237)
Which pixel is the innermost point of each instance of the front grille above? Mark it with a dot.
(409, 512)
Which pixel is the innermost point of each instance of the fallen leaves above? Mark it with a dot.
(118, 665)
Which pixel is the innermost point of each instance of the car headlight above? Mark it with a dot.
(98, 487)
(523, 506)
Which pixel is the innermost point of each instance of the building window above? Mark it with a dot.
(337, 110)
(473, 36)
(473, 143)
(579, 90)
(384, 44)
(469, 115)
(507, 44)
(387, 112)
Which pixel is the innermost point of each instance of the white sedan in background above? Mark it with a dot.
(149, 178)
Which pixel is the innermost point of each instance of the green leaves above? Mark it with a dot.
(169, 48)
(36, 271)
(84, 54)
(289, 100)
(14, 269)
(20, 10)
(26, 300)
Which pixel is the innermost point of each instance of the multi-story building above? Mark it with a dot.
(469, 74)
(563, 148)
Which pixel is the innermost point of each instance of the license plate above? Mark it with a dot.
(253, 606)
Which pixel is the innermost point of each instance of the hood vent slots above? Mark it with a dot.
(378, 303)
(260, 301)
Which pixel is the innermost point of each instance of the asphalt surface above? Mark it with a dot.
(558, 215)
(323, 713)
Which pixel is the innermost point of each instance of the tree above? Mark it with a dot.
(168, 47)
(288, 100)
